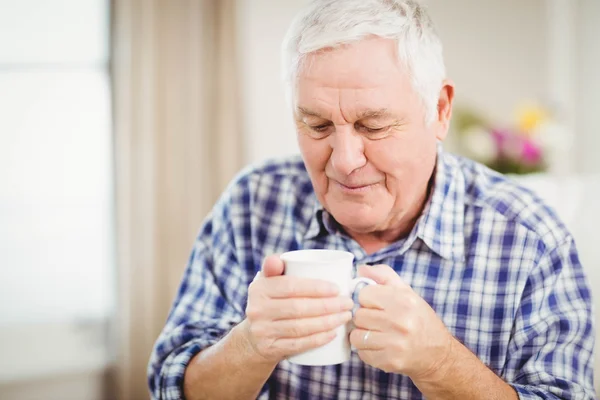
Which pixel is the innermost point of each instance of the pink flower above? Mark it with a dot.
(501, 138)
(531, 152)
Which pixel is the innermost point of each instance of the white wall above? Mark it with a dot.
(494, 51)
(588, 86)
(266, 117)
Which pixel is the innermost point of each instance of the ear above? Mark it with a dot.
(444, 109)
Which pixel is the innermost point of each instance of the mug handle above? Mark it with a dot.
(356, 285)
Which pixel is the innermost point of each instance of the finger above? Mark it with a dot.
(371, 318)
(272, 266)
(292, 346)
(308, 307)
(280, 287)
(256, 277)
(382, 274)
(295, 328)
(378, 297)
(361, 341)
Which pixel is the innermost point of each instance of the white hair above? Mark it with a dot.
(331, 23)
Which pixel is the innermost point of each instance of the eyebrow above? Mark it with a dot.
(306, 111)
(382, 112)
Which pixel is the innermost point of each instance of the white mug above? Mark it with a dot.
(333, 266)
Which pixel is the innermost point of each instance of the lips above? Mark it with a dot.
(354, 187)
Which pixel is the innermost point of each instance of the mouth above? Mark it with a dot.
(355, 188)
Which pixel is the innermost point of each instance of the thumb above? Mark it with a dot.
(382, 274)
(272, 266)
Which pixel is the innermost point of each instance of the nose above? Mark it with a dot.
(347, 151)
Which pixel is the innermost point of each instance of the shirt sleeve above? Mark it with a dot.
(550, 355)
(210, 301)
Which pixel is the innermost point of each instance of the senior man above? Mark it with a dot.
(481, 295)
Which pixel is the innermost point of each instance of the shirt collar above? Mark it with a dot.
(441, 225)
(316, 225)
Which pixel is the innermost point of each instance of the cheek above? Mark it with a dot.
(404, 160)
(314, 152)
(388, 157)
(316, 155)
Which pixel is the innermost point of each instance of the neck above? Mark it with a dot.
(374, 241)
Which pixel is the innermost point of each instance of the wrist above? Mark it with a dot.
(229, 369)
(243, 344)
(441, 370)
(462, 376)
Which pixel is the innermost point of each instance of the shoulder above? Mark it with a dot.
(289, 167)
(504, 200)
(270, 175)
(266, 186)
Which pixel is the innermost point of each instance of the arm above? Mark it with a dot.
(549, 356)
(283, 316)
(407, 337)
(231, 357)
(238, 366)
(551, 350)
(208, 305)
(199, 318)
(463, 376)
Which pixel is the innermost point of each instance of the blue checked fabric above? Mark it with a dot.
(493, 261)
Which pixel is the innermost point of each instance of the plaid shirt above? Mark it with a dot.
(491, 259)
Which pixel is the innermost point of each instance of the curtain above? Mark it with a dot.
(177, 144)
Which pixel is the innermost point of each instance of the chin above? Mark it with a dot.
(359, 219)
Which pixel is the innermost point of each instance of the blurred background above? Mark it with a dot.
(122, 121)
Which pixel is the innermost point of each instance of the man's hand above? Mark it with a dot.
(288, 315)
(405, 335)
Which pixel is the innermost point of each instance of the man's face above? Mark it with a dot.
(363, 137)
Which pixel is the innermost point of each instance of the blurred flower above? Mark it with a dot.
(519, 149)
(502, 140)
(530, 116)
(479, 145)
(531, 153)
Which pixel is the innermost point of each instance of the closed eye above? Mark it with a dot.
(320, 128)
(372, 131)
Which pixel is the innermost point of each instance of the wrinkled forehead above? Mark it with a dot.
(364, 75)
(366, 62)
